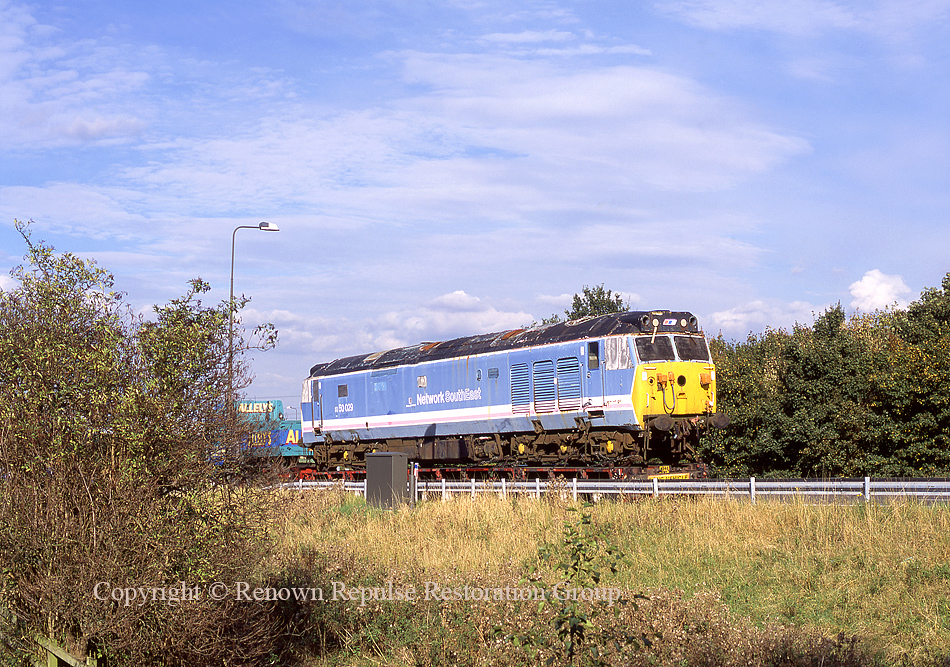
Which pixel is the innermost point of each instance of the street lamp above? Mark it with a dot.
(264, 227)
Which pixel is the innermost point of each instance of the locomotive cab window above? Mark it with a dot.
(654, 348)
(691, 348)
(593, 356)
(616, 354)
(341, 391)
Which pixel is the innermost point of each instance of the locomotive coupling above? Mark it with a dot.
(662, 423)
(666, 422)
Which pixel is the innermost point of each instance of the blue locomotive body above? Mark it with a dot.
(577, 391)
(504, 392)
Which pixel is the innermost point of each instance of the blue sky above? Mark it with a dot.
(448, 168)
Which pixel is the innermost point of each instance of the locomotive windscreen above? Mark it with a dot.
(691, 348)
(655, 348)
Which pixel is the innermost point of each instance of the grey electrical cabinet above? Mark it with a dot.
(387, 479)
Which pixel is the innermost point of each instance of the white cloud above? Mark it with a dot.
(495, 139)
(494, 133)
(100, 127)
(457, 301)
(449, 316)
(56, 92)
(593, 50)
(529, 36)
(792, 16)
(878, 290)
(616, 126)
(443, 319)
(884, 18)
(557, 301)
(435, 206)
(756, 316)
(74, 208)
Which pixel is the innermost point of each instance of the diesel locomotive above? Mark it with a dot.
(627, 389)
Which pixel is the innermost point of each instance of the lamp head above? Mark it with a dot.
(268, 227)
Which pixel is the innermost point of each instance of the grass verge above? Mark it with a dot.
(763, 579)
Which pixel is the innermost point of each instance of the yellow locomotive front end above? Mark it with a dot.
(674, 392)
(676, 389)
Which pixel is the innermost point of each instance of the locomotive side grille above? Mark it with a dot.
(520, 388)
(545, 389)
(568, 384)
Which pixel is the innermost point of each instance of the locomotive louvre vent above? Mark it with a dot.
(568, 384)
(520, 388)
(545, 390)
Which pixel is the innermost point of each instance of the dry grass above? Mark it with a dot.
(462, 536)
(878, 571)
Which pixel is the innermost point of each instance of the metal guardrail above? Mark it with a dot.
(823, 490)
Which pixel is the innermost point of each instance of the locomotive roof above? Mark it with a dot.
(634, 322)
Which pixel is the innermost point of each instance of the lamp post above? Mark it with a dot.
(264, 227)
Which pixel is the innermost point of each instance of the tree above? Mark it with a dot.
(914, 390)
(592, 301)
(865, 396)
(802, 403)
(106, 424)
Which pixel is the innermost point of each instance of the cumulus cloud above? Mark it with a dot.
(457, 301)
(307, 339)
(465, 189)
(878, 290)
(449, 316)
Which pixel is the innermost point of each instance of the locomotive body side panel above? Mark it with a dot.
(548, 387)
